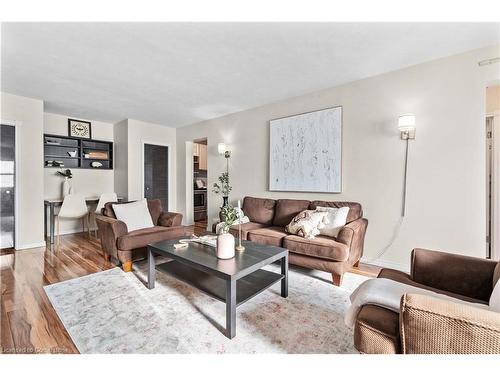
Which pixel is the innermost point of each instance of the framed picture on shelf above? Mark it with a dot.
(79, 129)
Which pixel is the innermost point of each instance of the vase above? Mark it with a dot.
(225, 246)
(225, 201)
(66, 187)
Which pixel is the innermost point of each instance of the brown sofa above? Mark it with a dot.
(117, 242)
(268, 218)
(434, 326)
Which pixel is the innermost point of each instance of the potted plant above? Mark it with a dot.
(223, 188)
(66, 186)
(225, 240)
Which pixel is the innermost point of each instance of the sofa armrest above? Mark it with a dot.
(430, 325)
(467, 276)
(170, 219)
(353, 235)
(109, 231)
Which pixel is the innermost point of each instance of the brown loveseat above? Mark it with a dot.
(117, 242)
(268, 218)
(429, 325)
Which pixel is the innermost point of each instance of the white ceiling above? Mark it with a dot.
(180, 73)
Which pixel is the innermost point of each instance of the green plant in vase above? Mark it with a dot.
(223, 188)
(229, 216)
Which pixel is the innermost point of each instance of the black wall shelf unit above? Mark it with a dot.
(58, 148)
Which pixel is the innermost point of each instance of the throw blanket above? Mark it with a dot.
(387, 293)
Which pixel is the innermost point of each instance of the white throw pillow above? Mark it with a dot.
(495, 298)
(135, 215)
(307, 223)
(337, 218)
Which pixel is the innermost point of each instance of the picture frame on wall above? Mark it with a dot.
(79, 129)
(306, 152)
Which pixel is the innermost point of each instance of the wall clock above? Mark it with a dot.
(79, 129)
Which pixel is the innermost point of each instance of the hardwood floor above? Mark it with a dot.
(29, 323)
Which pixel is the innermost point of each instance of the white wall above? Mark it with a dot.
(130, 136)
(89, 182)
(29, 113)
(120, 131)
(140, 132)
(446, 191)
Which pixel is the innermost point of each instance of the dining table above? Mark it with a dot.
(49, 212)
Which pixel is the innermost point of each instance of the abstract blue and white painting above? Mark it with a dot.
(306, 152)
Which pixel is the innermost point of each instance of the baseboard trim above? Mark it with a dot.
(72, 231)
(387, 264)
(30, 245)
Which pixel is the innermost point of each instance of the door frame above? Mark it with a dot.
(169, 179)
(495, 193)
(17, 175)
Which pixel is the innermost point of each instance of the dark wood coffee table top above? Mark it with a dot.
(232, 281)
(203, 258)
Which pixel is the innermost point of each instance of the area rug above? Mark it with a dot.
(113, 312)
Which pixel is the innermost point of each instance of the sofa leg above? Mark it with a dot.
(336, 279)
(127, 266)
(356, 264)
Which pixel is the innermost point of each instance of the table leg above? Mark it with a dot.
(284, 280)
(151, 269)
(51, 214)
(230, 308)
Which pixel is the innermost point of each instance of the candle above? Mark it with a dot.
(239, 205)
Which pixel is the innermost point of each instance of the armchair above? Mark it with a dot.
(425, 324)
(120, 244)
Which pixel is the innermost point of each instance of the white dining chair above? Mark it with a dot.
(73, 207)
(103, 199)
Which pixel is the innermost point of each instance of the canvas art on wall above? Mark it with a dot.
(306, 152)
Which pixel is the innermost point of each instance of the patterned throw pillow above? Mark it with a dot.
(307, 224)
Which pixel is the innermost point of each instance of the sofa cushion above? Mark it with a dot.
(135, 215)
(154, 206)
(355, 210)
(259, 210)
(287, 209)
(402, 277)
(267, 236)
(245, 228)
(319, 247)
(143, 237)
(377, 331)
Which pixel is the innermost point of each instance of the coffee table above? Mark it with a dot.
(232, 281)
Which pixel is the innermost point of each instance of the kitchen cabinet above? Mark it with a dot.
(202, 157)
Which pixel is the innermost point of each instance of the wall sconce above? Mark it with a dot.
(406, 125)
(222, 149)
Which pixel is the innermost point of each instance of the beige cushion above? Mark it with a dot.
(135, 215)
(336, 220)
(494, 302)
(307, 224)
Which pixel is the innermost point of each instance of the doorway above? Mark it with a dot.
(7, 185)
(156, 173)
(200, 173)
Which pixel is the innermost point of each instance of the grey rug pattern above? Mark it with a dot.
(113, 312)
